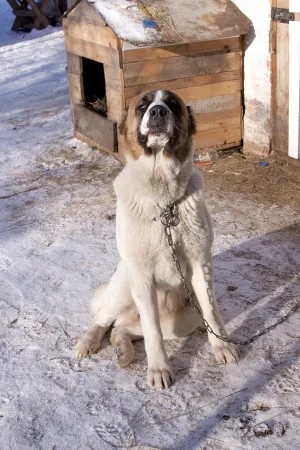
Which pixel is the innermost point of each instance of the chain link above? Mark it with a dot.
(169, 218)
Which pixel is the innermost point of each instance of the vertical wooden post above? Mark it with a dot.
(280, 81)
(294, 83)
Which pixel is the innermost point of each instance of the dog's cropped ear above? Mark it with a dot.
(123, 122)
(192, 123)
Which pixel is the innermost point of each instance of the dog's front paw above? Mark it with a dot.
(160, 378)
(88, 343)
(226, 353)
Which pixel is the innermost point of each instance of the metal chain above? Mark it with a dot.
(170, 218)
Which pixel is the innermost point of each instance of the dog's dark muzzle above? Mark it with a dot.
(158, 116)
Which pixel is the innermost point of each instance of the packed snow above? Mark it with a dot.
(173, 22)
(57, 244)
(125, 18)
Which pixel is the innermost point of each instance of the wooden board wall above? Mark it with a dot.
(86, 35)
(95, 127)
(84, 12)
(97, 42)
(88, 125)
(74, 68)
(91, 41)
(206, 75)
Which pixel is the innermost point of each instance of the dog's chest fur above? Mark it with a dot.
(144, 188)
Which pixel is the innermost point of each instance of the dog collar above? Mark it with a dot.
(169, 215)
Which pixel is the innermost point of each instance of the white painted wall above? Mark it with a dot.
(257, 72)
(294, 82)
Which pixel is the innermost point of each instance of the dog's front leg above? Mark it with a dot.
(203, 285)
(145, 297)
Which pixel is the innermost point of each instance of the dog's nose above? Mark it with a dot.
(158, 111)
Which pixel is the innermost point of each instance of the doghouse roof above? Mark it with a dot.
(162, 22)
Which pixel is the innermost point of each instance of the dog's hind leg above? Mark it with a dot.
(107, 304)
(121, 339)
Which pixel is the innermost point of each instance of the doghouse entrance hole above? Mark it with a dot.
(94, 86)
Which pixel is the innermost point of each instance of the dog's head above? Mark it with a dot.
(158, 121)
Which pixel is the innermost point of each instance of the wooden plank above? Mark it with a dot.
(208, 90)
(39, 14)
(113, 78)
(282, 3)
(92, 143)
(179, 83)
(220, 147)
(86, 13)
(96, 34)
(214, 104)
(92, 51)
(219, 119)
(123, 90)
(101, 130)
(24, 13)
(115, 104)
(217, 136)
(76, 88)
(179, 67)
(280, 84)
(74, 64)
(148, 53)
(273, 42)
(14, 4)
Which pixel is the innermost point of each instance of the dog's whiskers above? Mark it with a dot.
(178, 128)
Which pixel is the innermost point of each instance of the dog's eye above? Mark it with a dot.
(142, 107)
(172, 101)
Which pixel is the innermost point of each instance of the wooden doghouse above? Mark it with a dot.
(118, 49)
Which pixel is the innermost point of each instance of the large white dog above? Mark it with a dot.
(145, 297)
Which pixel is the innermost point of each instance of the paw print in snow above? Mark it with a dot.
(118, 434)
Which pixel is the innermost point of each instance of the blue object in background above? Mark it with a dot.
(263, 164)
(148, 23)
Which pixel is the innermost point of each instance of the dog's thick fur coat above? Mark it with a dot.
(144, 297)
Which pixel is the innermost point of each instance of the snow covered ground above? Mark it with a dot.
(57, 243)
